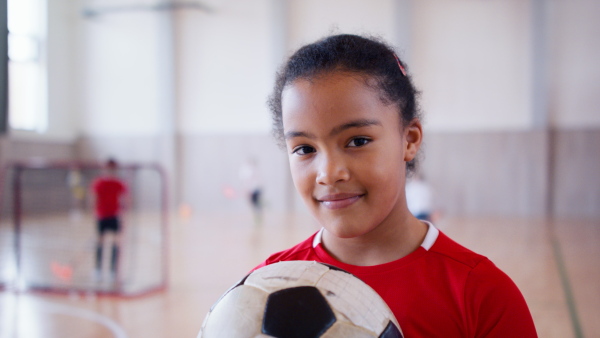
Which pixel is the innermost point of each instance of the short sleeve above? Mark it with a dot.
(495, 306)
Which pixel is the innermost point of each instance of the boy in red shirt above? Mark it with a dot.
(108, 191)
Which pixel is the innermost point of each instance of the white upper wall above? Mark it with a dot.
(225, 67)
(121, 92)
(573, 67)
(310, 20)
(472, 62)
(227, 58)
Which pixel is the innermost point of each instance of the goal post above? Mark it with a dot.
(49, 233)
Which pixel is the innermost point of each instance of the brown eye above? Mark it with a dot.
(358, 142)
(303, 150)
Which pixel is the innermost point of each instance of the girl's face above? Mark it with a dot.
(347, 152)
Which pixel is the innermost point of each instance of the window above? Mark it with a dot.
(27, 100)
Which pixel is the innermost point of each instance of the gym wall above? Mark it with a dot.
(512, 125)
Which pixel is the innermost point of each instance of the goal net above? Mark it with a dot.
(49, 238)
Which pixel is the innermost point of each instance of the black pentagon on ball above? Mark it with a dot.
(391, 331)
(336, 268)
(297, 312)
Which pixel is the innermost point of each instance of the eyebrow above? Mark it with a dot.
(292, 134)
(361, 123)
(355, 124)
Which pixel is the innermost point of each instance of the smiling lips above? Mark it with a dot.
(339, 201)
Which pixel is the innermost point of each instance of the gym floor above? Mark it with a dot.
(555, 263)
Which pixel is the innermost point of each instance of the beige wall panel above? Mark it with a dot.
(212, 166)
(500, 173)
(577, 173)
(35, 152)
(125, 149)
(207, 176)
(24, 150)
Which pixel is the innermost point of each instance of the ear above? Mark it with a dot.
(413, 136)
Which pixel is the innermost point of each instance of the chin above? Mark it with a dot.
(344, 232)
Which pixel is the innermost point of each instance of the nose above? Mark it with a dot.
(332, 168)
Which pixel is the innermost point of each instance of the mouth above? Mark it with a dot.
(339, 201)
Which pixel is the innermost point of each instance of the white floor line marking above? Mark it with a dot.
(113, 326)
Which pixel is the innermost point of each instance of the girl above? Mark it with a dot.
(345, 109)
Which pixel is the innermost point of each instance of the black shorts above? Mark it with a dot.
(108, 224)
(255, 198)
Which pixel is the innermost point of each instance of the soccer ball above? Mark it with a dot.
(300, 299)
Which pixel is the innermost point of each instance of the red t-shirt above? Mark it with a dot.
(108, 191)
(440, 290)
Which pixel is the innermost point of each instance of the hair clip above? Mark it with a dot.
(400, 65)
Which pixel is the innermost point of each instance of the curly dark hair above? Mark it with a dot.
(355, 54)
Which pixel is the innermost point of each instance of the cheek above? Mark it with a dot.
(384, 172)
(301, 176)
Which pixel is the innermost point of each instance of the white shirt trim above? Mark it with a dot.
(317, 239)
(430, 237)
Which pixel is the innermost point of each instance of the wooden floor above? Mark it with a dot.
(555, 263)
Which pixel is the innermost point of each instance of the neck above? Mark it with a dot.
(382, 245)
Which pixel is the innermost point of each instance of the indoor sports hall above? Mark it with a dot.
(176, 92)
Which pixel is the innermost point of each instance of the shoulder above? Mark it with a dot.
(299, 252)
(493, 302)
(477, 269)
(116, 182)
(447, 248)
(97, 181)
